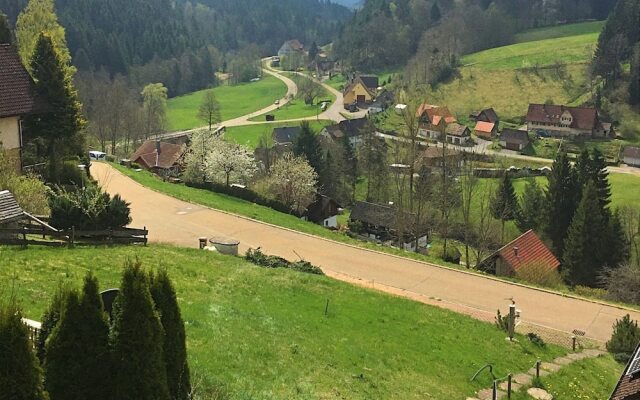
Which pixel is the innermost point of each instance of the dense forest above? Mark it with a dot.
(387, 33)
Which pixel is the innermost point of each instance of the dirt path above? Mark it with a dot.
(173, 221)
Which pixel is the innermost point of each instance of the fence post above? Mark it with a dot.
(574, 339)
(72, 238)
(538, 369)
(494, 395)
(24, 238)
(509, 386)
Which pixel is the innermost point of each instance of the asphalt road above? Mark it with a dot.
(176, 222)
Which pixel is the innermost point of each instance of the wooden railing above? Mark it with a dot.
(34, 328)
(43, 236)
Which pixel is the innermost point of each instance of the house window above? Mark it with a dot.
(326, 222)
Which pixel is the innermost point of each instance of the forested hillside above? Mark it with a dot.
(388, 33)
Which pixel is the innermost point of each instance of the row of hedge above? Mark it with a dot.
(257, 257)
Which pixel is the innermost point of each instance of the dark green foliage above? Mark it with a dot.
(70, 174)
(313, 51)
(20, 374)
(585, 254)
(624, 340)
(560, 203)
(530, 215)
(49, 321)
(259, 258)
(634, 83)
(175, 348)
(502, 322)
(77, 351)
(308, 145)
(535, 339)
(618, 249)
(136, 340)
(504, 204)
(436, 14)
(5, 30)
(88, 209)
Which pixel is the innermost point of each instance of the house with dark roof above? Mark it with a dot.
(17, 99)
(286, 135)
(290, 47)
(628, 387)
(525, 251)
(486, 130)
(486, 115)
(358, 92)
(352, 129)
(435, 157)
(559, 120)
(631, 156)
(433, 121)
(457, 134)
(513, 139)
(159, 157)
(323, 211)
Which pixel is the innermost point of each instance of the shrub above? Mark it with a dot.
(539, 274)
(535, 339)
(259, 258)
(623, 284)
(624, 340)
(502, 322)
(29, 191)
(88, 209)
(71, 174)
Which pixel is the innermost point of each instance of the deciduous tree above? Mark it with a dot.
(229, 160)
(154, 100)
(209, 110)
(293, 181)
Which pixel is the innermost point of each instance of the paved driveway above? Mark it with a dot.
(173, 221)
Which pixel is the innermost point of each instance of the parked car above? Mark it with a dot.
(542, 133)
(97, 155)
(353, 107)
(277, 102)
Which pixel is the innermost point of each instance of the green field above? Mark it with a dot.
(559, 31)
(249, 135)
(264, 334)
(235, 101)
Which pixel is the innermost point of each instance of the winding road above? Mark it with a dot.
(180, 223)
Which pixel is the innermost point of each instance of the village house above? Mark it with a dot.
(380, 222)
(358, 91)
(159, 157)
(286, 135)
(486, 115)
(290, 47)
(435, 157)
(631, 156)
(352, 129)
(486, 130)
(558, 120)
(525, 251)
(513, 139)
(323, 211)
(628, 387)
(458, 134)
(433, 121)
(17, 99)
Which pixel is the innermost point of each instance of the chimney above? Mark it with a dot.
(515, 251)
(158, 146)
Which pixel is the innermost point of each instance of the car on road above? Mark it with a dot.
(277, 102)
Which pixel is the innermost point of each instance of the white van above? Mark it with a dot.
(97, 156)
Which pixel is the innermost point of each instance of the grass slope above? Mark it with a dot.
(552, 32)
(249, 135)
(264, 333)
(235, 101)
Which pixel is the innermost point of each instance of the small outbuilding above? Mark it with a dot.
(458, 134)
(286, 135)
(323, 211)
(486, 130)
(525, 251)
(513, 139)
(631, 156)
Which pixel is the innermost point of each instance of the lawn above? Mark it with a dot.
(235, 101)
(296, 108)
(264, 333)
(553, 32)
(249, 135)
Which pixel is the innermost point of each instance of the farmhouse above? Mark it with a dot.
(352, 129)
(486, 130)
(433, 121)
(628, 387)
(457, 134)
(159, 157)
(286, 135)
(358, 91)
(290, 47)
(525, 251)
(513, 139)
(323, 211)
(437, 156)
(631, 156)
(566, 121)
(486, 115)
(17, 99)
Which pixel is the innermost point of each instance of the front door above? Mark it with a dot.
(361, 98)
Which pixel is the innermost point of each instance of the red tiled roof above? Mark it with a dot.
(583, 117)
(435, 113)
(628, 386)
(17, 92)
(526, 250)
(147, 154)
(484, 129)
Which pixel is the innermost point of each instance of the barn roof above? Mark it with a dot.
(17, 90)
(10, 211)
(583, 117)
(166, 158)
(525, 250)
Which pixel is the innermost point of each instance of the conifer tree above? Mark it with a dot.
(531, 205)
(584, 255)
(560, 203)
(624, 339)
(5, 30)
(601, 180)
(618, 249)
(175, 348)
(49, 321)
(77, 351)
(308, 145)
(61, 123)
(504, 206)
(20, 373)
(136, 340)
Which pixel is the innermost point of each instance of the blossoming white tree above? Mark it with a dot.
(293, 181)
(226, 161)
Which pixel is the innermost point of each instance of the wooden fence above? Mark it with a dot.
(34, 328)
(43, 236)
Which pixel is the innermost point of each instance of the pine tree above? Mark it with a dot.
(61, 123)
(505, 203)
(49, 321)
(20, 374)
(583, 169)
(308, 145)
(634, 83)
(175, 348)
(77, 351)
(560, 203)
(531, 206)
(313, 51)
(584, 255)
(5, 30)
(624, 339)
(601, 179)
(618, 249)
(136, 340)
(436, 14)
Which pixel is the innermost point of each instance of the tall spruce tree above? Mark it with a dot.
(77, 351)
(504, 206)
(308, 145)
(5, 30)
(61, 123)
(175, 347)
(585, 253)
(49, 321)
(20, 373)
(560, 203)
(618, 248)
(136, 340)
(531, 205)
(601, 179)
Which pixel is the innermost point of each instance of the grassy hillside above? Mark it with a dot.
(265, 335)
(560, 31)
(249, 135)
(235, 101)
